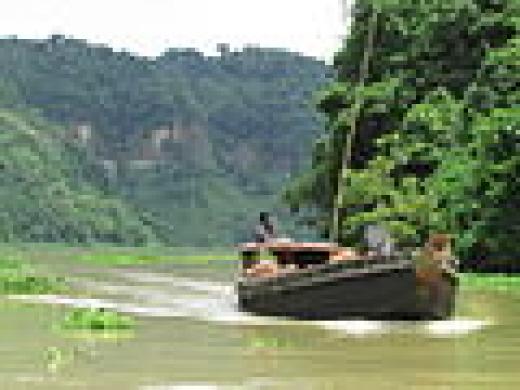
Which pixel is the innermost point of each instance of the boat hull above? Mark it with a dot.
(350, 290)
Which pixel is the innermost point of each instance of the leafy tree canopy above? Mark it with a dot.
(437, 141)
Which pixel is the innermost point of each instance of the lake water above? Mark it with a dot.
(189, 335)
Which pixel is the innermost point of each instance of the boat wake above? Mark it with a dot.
(444, 328)
(456, 326)
(149, 294)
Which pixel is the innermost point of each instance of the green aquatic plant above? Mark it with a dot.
(19, 278)
(201, 256)
(114, 258)
(97, 319)
(57, 358)
(54, 358)
(490, 282)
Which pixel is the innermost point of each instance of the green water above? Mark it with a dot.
(188, 334)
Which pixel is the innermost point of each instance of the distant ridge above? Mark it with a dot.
(201, 143)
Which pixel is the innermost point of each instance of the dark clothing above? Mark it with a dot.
(265, 231)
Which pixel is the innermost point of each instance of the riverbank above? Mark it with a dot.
(18, 277)
(490, 282)
(118, 255)
(112, 255)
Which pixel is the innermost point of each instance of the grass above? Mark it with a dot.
(136, 258)
(116, 255)
(17, 277)
(490, 282)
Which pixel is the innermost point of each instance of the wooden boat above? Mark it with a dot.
(327, 282)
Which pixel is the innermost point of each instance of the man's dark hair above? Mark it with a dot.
(264, 216)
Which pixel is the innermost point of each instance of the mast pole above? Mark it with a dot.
(358, 103)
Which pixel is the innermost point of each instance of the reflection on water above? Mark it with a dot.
(190, 335)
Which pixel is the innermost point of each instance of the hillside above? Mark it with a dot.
(49, 192)
(199, 143)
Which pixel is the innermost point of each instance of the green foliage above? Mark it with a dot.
(19, 278)
(490, 282)
(97, 319)
(46, 193)
(184, 256)
(438, 134)
(247, 124)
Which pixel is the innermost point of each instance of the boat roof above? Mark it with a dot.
(290, 246)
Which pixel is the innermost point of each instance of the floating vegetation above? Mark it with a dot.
(97, 319)
(118, 258)
(137, 258)
(490, 282)
(56, 358)
(19, 278)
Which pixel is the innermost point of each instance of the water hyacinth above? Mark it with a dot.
(97, 319)
(19, 278)
(490, 282)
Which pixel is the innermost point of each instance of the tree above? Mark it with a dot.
(436, 143)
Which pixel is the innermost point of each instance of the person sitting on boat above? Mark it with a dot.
(378, 241)
(265, 230)
(437, 253)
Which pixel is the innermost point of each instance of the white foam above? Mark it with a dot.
(456, 326)
(354, 327)
(182, 386)
(195, 285)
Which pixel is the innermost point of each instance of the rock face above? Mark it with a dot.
(161, 145)
(82, 133)
(153, 143)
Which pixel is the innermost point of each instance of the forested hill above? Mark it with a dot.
(50, 192)
(196, 144)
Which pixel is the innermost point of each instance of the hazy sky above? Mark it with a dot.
(312, 27)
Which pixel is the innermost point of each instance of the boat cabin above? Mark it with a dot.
(265, 259)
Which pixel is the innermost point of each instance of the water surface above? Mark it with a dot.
(190, 335)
